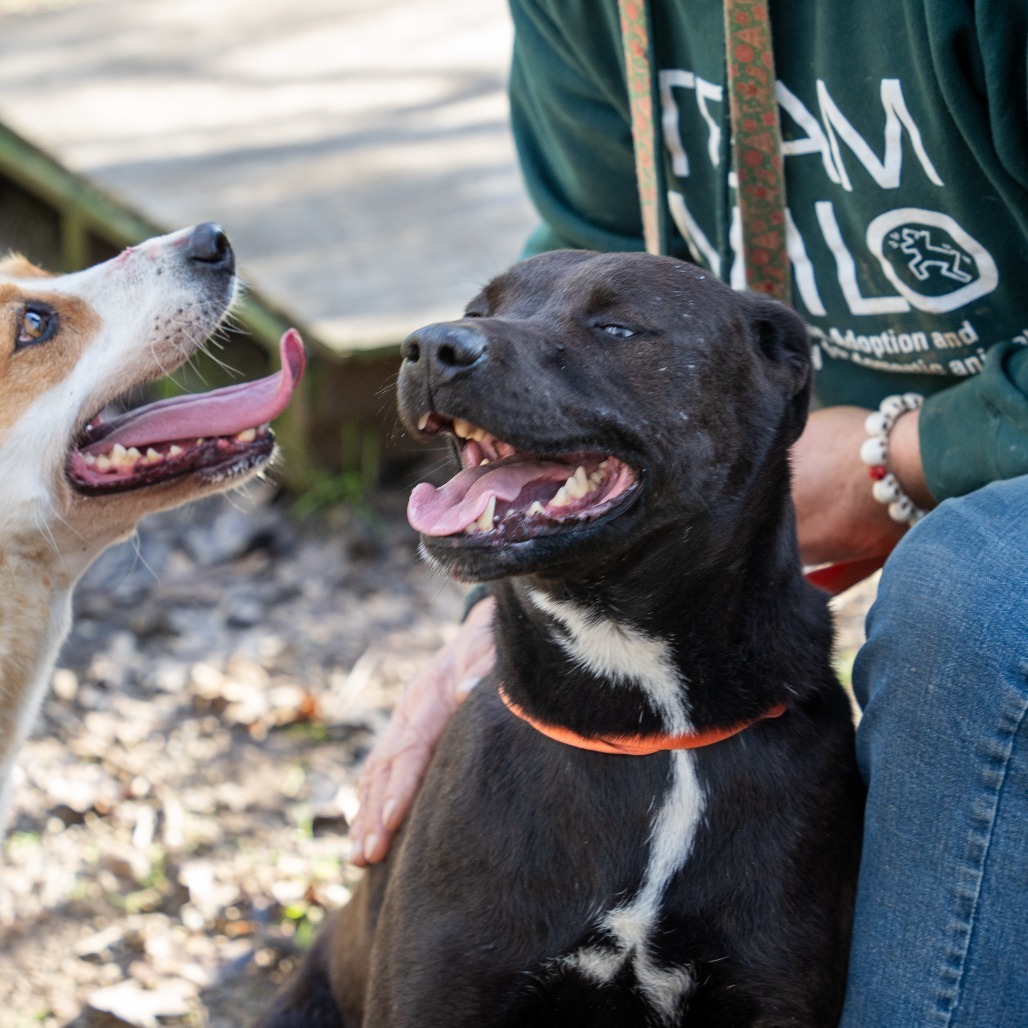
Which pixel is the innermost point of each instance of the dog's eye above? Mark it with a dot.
(37, 325)
(618, 331)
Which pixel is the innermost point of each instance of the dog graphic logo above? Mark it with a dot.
(929, 258)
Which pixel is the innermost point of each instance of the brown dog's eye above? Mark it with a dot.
(37, 325)
(618, 331)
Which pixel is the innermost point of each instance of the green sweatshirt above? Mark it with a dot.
(905, 139)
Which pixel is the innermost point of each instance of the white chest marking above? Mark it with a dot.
(631, 925)
(620, 653)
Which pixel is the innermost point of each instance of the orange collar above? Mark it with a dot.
(635, 745)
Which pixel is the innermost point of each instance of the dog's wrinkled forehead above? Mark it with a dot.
(583, 281)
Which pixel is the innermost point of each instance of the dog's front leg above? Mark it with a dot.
(329, 989)
(306, 1001)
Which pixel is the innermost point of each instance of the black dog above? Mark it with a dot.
(624, 424)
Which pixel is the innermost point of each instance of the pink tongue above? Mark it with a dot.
(462, 500)
(223, 412)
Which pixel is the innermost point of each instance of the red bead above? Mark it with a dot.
(877, 472)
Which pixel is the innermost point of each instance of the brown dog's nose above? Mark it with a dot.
(209, 245)
(444, 350)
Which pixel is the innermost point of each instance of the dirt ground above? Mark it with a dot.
(180, 816)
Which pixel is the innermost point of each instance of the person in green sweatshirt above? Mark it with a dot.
(904, 142)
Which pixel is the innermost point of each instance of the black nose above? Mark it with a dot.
(208, 245)
(445, 350)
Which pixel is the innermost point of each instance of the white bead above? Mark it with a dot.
(892, 407)
(887, 490)
(874, 451)
(902, 510)
(876, 423)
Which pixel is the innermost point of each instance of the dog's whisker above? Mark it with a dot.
(45, 530)
(138, 559)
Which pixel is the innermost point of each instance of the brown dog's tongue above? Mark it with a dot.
(222, 412)
(459, 503)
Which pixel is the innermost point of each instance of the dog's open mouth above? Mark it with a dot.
(510, 495)
(214, 435)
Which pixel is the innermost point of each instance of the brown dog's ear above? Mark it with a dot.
(783, 339)
(13, 265)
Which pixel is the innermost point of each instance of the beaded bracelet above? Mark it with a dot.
(875, 453)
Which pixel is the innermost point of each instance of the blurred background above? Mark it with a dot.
(357, 153)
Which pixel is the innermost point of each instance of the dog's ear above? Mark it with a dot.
(782, 339)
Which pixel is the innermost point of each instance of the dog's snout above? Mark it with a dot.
(208, 244)
(445, 349)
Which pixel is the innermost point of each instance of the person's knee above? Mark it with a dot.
(946, 633)
(957, 581)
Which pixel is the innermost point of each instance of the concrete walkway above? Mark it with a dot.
(356, 151)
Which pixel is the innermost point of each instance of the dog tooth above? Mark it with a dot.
(575, 487)
(537, 508)
(152, 455)
(582, 479)
(423, 422)
(482, 463)
(133, 453)
(485, 520)
(174, 450)
(247, 435)
(463, 428)
(103, 463)
(561, 497)
(89, 458)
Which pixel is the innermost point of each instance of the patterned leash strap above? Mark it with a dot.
(635, 38)
(757, 146)
(756, 137)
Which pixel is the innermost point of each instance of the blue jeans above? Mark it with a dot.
(941, 930)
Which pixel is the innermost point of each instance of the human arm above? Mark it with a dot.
(838, 519)
(570, 121)
(977, 431)
(394, 768)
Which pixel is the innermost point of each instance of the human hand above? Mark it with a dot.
(838, 519)
(397, 763)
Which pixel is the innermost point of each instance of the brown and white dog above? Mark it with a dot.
(73, 483)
